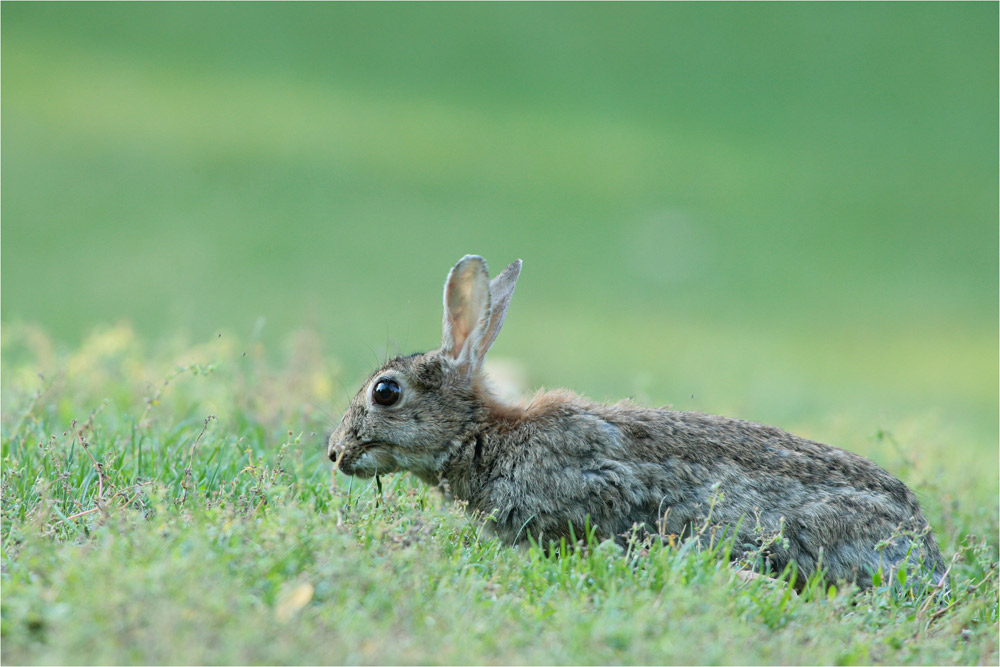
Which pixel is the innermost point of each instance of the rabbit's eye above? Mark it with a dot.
(386, 392)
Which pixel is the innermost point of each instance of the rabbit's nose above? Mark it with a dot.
(335, 450)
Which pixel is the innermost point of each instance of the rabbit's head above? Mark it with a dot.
(412, 410)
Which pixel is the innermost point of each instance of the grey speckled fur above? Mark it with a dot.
(561, 461)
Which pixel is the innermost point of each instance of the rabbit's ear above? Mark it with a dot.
(466, 312)
(501, 291)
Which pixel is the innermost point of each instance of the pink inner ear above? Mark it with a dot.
(462, 313)
(466, 299)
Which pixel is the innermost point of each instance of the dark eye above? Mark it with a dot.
(386, 392)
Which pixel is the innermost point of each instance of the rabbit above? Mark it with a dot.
(560, 464)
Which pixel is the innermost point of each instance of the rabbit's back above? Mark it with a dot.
(566, 461)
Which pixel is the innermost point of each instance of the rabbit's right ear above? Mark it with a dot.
(466, 312)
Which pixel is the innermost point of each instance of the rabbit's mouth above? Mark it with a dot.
(338, 449)
(365, 459)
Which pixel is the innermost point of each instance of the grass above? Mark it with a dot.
(171, 503)
(779, 212)
(194, 167)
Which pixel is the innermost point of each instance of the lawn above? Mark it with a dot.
(174, 506)
(217, 218)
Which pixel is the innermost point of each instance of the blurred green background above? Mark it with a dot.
(784, 212)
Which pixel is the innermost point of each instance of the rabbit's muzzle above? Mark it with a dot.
(360, 459)
(338, 444)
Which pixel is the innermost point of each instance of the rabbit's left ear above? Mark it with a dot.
(466, 313)
(501, 291)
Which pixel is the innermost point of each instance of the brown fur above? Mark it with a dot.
(557, 463)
